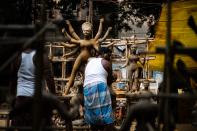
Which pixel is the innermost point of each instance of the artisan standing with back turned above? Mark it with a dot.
(97, 98)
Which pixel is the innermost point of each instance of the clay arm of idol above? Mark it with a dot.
(100, 29)
(71, 30)
(74, 51)
(69, 39)
(67, 45)
(108, 45)
(126, 63)
(106, 34)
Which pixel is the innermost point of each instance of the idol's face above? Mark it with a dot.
(87, 31)
(87, 28)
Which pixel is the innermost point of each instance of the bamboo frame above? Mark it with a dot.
(64, 60)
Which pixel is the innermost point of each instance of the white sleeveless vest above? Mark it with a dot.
(95, 72)
(26, 75)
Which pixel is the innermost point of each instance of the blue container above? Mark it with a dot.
(121, 85)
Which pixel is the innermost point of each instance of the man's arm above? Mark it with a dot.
(108, 67)
(13, 79)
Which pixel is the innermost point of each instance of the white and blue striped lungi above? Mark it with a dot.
(97, 104)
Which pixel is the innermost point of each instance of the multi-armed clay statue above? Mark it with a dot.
(86, 45)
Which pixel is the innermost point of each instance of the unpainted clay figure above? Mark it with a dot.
(132, 68)
(86, 45)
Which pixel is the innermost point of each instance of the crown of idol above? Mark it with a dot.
(86, 26)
